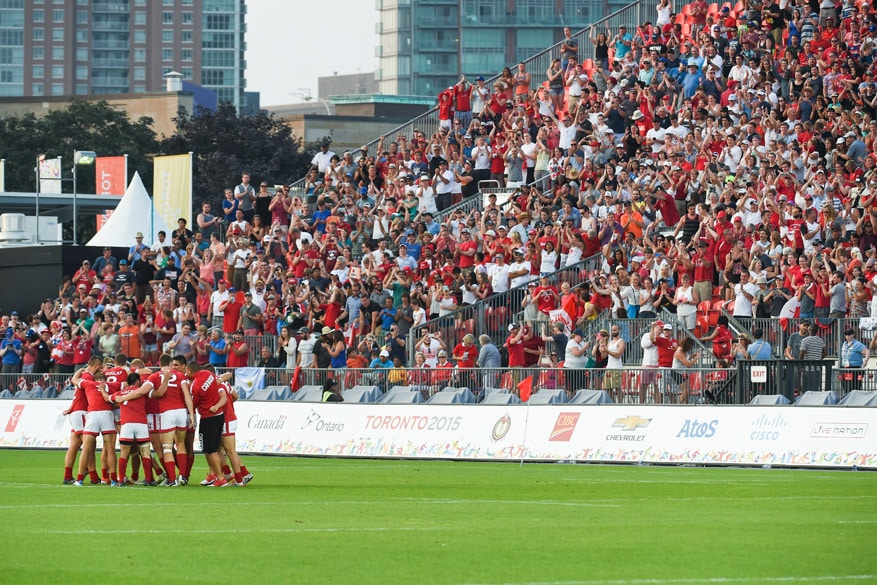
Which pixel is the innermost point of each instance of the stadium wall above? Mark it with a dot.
(840, 437)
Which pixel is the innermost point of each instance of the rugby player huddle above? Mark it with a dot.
(148, 410)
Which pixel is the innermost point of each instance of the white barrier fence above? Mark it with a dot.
(750, 435)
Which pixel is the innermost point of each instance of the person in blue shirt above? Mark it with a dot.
(387, 314)
(413, 246)
(853, 355)
(382, 362)
(318, 219)
(11, 352)
(691, 79)
(759, 349)
(217, 351)
(623, 42)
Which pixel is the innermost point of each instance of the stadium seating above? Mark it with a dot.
(859, 398)
(6, 394)
(549, 396)
(451, 395)
(501, 398)
(591, 397)
(367, 394)
(814, 398)
(769, 399)
(402, 397)
(309, 394)
(50, 392)
(489, 391)
(67, 393)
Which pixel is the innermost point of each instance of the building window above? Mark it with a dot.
(186, 36)
(188, 18)
(81, 17)
(188, 3)
(167, 2)
(57, 72)
(82, 89)
(57, 16)
(140, 88)
(166, 70)
(5, 76)
(39, 34)
(139, 2)
(57, 89)
(82, 72)
(39, 53)
(167, 36)
(36, 89)
(140, 18)
(39, 15)
(140, 73)
(187, 72)
(81, 36)
(139, 55)
(57, 53)
(167, 17)
(167, 54)
(38, 72)
(140, 37)
(58, 34)
(81, 54)
(186, 55)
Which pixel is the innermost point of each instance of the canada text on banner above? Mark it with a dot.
(111, 178)
(172, 188)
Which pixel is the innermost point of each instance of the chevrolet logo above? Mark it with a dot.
(631, 423)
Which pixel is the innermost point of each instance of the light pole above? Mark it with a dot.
(305, 94)
(81, 158)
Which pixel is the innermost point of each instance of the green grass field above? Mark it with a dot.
(350, 521)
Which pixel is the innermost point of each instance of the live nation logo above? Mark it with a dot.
(564, 426)
(12, 423)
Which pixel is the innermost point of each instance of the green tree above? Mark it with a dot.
(82, 125)
(225, 144)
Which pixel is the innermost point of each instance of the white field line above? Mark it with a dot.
(246, 530)
(320, 503)
(813, 579)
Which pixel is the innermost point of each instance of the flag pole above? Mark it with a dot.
(528, 390)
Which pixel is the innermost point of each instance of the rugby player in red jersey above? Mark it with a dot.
(115, 376)
(229, 446)
(152, 422)
(179, 365)
(134, 431)
(209, 399)
(175, 410)
(76, 416)
(98, 420)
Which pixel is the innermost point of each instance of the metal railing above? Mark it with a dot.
(428, 123)
(777, 331)
(629, 386)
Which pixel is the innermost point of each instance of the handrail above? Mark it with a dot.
(427, 122)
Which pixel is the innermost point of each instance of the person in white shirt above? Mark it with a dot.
(519, 270)
(649, 374)
(744, 292)
(567, 133)
(322, 159)
(306, 348)
(217, 298)
(426, 194)
(499, 274)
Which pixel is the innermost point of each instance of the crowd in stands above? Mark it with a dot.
(717, 154)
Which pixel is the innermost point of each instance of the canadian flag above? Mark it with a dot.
(21, 383)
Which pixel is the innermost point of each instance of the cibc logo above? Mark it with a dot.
(564, 426)
(698, 429)
(14, 417)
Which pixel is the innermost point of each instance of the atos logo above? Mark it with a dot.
(696, 429)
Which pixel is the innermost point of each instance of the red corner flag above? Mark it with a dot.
(525, 388)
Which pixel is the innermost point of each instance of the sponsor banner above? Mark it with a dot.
(50, 171)
(746, 435)
(111, 178)
(172, 188)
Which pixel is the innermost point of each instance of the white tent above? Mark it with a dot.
(133, 214)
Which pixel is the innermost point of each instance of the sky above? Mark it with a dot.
(290, 43)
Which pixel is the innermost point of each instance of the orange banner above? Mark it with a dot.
(110, 175)
(111, 178)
